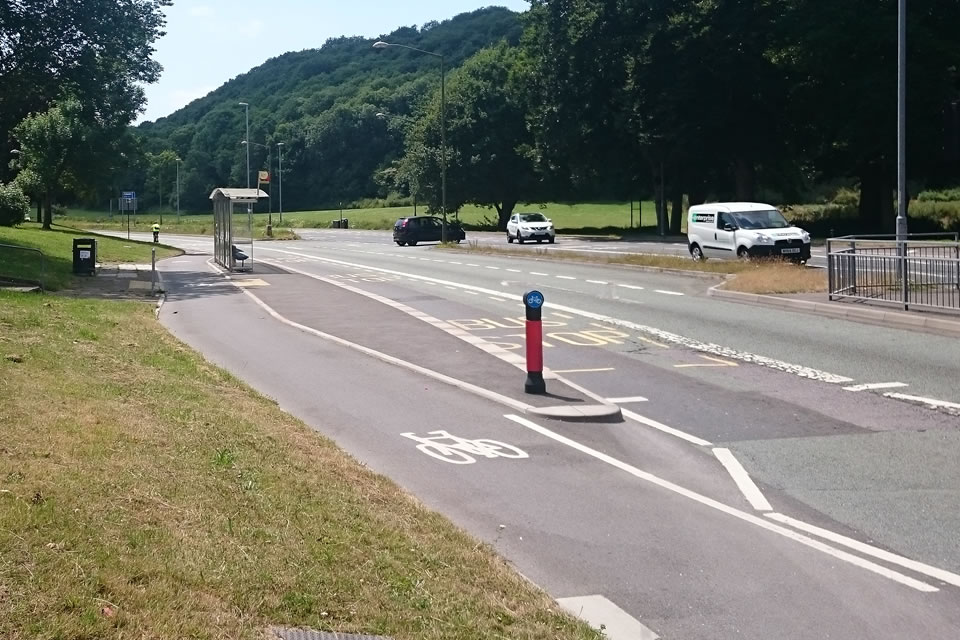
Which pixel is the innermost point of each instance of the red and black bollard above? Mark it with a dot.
(533, 302)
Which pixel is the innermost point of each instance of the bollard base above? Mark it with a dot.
(535, 383)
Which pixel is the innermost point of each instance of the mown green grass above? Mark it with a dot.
(54, 270)
(145, 493)
(581, 218)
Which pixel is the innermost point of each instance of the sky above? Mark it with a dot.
(209, 42)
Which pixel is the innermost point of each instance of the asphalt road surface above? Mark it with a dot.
(840, 522)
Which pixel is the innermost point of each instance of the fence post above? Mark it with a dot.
(831, 263)
(153, 270)
(904, 276)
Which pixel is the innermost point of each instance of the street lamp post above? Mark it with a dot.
(178, 189)
(160, 187)
(246, 108)
(901, 124)
(280, 153)
(380, 44)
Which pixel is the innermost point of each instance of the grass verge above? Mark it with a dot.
(56, 267)
(761, 276)
(773, 278)
(146, 493)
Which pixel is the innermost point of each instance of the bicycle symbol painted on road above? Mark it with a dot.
(442, 445)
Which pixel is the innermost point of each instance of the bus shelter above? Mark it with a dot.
(232, 229)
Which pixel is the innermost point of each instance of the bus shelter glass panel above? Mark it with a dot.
(241, 247)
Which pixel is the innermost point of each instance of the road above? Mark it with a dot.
(840, 522)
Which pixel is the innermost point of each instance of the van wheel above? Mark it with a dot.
(697, 253)
(743, 253)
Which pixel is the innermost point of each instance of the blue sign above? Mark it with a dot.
(533, 299)
(129, 195)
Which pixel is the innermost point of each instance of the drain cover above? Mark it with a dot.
(289, 633)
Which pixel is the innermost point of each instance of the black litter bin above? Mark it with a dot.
(345, 223)
(85, 256)
(334, 224)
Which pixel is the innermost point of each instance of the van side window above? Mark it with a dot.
(725, 219)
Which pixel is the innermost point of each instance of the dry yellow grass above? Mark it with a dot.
(778, 277)
(145, 493)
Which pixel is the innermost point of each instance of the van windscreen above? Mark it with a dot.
(767, 219)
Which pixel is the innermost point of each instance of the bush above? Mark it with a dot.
(14, 206)
(944, 195)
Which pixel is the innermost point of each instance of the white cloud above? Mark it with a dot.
(202, 11)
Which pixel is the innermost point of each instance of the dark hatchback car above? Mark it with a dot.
(425, 229)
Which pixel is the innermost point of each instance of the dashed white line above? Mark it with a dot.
(494, 268)
(472, 293)
(669, 293)
(453, 262)
(537, 273)
(601, 613)
(598, 282)
(514, 270)
(930, 402)
(875, 385)
(472, 265)
(565, 277)
(497, 299)
(728, 510)
(740, 476)
(626, 400)
(630, 286)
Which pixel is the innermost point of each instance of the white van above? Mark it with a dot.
(744, 230)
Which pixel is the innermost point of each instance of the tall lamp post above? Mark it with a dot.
(246, 110)
(178, 189)
(901, 125)
(269, 168)
(380, 44)
(280, 152)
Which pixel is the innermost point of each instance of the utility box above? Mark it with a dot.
(85, 256)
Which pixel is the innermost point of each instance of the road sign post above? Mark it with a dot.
(128, 203)
(533, 303)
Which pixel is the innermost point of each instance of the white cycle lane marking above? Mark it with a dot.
(762, 523)
(445, 446)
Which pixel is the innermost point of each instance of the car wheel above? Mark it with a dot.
(539, 240)
(743, 253)
(509, 239)
(459, 240)
(412, 243)
(400, 244)
(551, 240)
(519, 238)
(697, 253)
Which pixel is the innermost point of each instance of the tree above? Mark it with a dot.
(51, 147)
(98, 50)
(14, 205)
(488, 161)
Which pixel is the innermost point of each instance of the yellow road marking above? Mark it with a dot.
(252, 282)
(716, 362)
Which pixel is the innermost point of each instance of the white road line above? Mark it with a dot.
(866, 549)
(565, 277)
(660, 334)
(494, 268)
(599, 613)
(598, 282)
(472, 293)
(498, 299)
(875, 385)
(537, 273)
(627, 400)
(636, 417)
(930, 402)
(598, 370)
(731, 511)
(452, 262)
(630, 286)
(562, 315)
(740, 476)
(472, 265)
(669, 293)
(514, 270)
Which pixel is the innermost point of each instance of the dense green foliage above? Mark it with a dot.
(323, 105)
(674, 100)
(14, 206)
